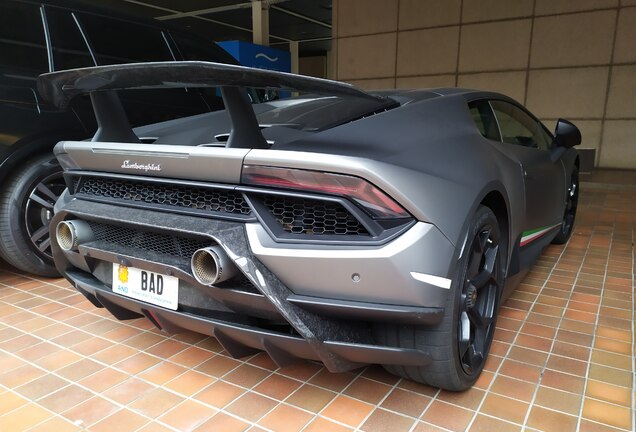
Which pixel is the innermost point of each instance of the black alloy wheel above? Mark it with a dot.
(38, 211)
(459, 344)
(569, 215)
(479, 301)
(27, 199)
(571, 204)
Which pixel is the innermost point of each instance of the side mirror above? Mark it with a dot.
(566, 134)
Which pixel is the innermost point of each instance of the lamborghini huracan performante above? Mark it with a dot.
(337, 225)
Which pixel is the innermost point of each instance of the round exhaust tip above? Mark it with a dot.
(65, 235)
(205, 267)
(211, 265)
(70, 234)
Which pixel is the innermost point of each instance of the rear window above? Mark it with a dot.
(22, 43)
(316, 113)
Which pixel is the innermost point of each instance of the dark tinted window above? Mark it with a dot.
(117, 41)
(22, 43)
(69, 47)
(484, 119)
(193, 48)
(200, 49)
(518, 127)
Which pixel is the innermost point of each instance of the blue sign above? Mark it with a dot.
(258, 56)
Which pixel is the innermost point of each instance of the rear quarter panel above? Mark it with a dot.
(428, 155)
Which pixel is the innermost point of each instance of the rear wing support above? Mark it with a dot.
(245, 132)
(101, 82)
(112, 122)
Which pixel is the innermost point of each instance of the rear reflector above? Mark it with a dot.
(373, 200)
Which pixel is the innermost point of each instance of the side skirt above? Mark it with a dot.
(528, 247)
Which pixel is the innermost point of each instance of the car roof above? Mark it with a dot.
(434, 93)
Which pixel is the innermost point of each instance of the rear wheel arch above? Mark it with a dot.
(31, 146)
(496, 202)
(458, 345)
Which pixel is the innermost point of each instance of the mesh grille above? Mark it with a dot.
(174, 195)
(158, 243)
(308, 216)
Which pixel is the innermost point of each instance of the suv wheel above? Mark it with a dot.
(26, 209)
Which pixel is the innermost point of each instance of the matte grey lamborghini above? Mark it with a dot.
(337, 225)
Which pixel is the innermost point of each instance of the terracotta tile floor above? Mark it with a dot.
(562, 360)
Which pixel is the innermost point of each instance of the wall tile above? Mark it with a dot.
(313, 66)
(361, 17)
(621, 101)
(618, 149)
(430, 81)
(512, 84)
(428, 13)
(495, 46)
(431, 51)
(571, 49)
(332, 64)
(574, 92)
(374, 84)
(547, 7)
(485, 10)
(590, 133)
(366, 56)
(625, 49)
(573, 40)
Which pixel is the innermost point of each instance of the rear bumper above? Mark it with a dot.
(287, 323)
(241, 340)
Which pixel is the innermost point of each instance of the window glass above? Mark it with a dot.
(316, 113)
(69, 47)
(22, 43)
(193, 48)
(518, 127)
(117, 41)
(484, 119)
(200, 49)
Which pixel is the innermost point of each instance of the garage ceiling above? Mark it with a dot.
(306, 21)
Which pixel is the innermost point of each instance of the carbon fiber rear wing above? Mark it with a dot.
(101, 82)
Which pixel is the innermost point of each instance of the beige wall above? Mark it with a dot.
(315, 66)
(561, 58)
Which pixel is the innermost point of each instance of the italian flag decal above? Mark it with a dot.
(532, 235)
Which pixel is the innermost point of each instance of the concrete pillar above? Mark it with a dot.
(293, 49)
(331, 61)
(260, 22)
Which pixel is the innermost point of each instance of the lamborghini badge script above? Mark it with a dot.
(142, 167)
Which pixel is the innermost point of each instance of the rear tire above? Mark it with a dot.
(459, 345)
(26, 209)
(571, 203)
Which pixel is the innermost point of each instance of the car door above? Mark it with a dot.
(544, 177)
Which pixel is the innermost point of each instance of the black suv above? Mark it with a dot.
(48, 35)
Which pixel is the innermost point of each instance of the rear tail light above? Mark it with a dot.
(373, 200)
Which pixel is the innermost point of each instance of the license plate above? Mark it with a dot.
(154, 288)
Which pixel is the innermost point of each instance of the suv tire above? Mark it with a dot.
(26, 208)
